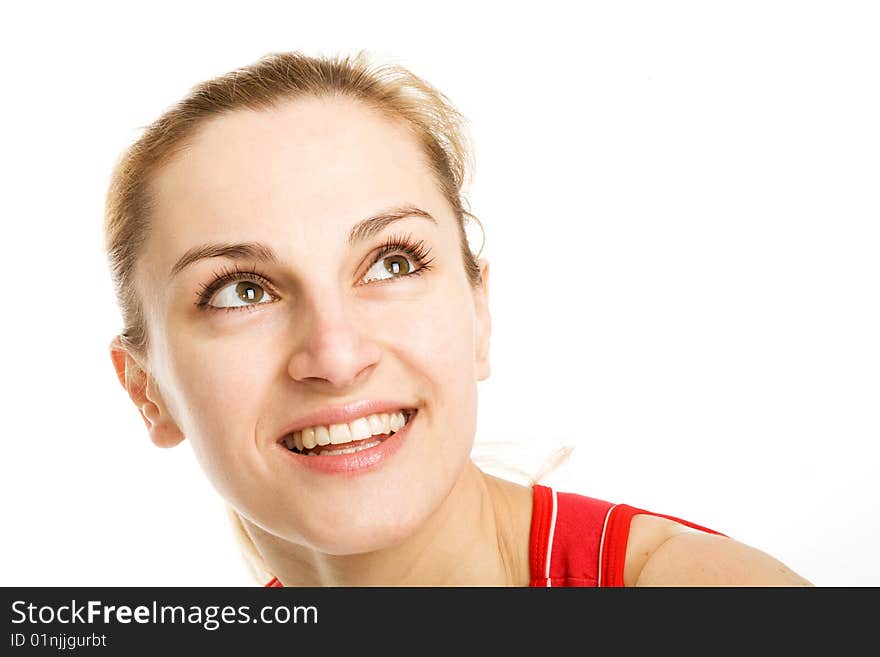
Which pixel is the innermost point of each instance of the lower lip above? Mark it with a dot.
(362, 461)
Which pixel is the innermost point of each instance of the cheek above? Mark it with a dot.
(438, 334)
(222, 383)
(440, 345)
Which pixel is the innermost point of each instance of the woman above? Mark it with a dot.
(301, 303)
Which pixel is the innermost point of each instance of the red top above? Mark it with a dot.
(581, 541)
(577, 540)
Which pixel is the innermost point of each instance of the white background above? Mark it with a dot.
(681, 202)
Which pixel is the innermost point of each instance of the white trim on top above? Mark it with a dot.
(550, 539)
(602, 543)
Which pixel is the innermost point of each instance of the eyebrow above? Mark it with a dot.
(263, 252)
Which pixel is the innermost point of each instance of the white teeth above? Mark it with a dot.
(360, 429)
(376, 424)
(347, 450)
(322, 435)
(337, 434)
(358, 448)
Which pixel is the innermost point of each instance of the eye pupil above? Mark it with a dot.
(397, 265)
(248, 291)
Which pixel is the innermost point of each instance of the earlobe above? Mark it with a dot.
(164, 431)
(483, 323)
(144, 393)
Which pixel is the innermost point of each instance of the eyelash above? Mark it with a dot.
(405, 244)
(417, 251)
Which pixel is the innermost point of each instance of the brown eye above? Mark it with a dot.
(396, 264)
(249, 292)
(240, 294)
(392, 266)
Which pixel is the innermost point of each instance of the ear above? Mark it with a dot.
(144, 393)
(483, 323)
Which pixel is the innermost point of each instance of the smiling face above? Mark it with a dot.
(315, 316)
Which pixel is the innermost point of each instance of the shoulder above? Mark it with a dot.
(663, 552)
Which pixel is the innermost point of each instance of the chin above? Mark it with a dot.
(362, 533)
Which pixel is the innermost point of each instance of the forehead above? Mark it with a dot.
(301, 170)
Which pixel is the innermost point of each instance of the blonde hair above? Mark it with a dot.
(274, 79)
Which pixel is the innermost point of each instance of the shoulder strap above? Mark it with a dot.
(566, 533)
(612, 550)
(541, 534)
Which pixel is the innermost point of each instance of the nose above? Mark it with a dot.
(331, 345)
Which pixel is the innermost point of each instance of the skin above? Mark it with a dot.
(297, 178)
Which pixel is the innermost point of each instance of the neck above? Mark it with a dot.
(478, 536)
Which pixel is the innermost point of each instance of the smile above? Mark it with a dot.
(358, 435)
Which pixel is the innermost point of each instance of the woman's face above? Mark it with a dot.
(321, 323)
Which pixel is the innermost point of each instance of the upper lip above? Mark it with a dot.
(344, 413)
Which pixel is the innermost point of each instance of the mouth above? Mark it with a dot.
(344, 439)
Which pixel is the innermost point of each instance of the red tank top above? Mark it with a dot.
(581, 541)
(577, 540)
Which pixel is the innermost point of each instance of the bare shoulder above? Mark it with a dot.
(662, 552)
